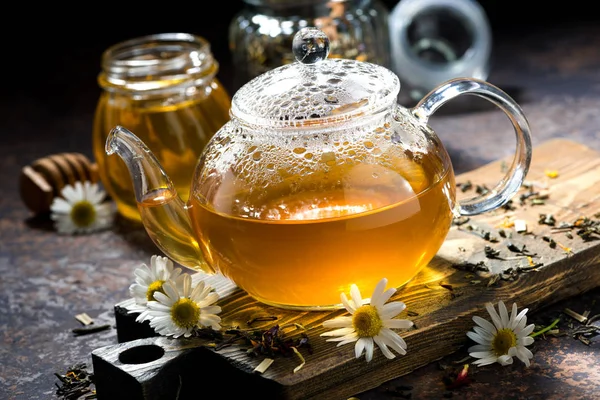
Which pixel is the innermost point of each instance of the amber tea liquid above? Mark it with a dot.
(301, 248)
(176, 132)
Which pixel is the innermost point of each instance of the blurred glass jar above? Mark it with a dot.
(433, 41)
(164, 88)
(261, 34)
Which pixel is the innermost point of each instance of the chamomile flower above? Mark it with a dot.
(80, 209)
(503, 338)
(175, 313)
(149, 280)
(370, 323)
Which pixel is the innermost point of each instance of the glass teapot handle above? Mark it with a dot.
(517, 171)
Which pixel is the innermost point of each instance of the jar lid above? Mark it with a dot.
(314, 90)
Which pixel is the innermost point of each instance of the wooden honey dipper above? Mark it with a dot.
(42, 180)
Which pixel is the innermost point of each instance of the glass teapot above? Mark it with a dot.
(320, 180)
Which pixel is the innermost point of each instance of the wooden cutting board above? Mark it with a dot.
(474, 266)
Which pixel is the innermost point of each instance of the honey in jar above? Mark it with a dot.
(164, 88)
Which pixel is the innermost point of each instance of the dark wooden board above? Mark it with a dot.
(442, 316)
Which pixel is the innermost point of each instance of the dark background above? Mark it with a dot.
(59, 47)
(51, 53)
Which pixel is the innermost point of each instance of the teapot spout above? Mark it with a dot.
(164, 214)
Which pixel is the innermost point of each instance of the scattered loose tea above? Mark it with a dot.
(481, 189)
(84, 319)
(264, 365)
(90, 329)
(546, 329)
(490, 252)
(547, 219)
(257, 319)
(465, 186)
(454, 379)
(575, 315)
(520, 226)
(302, 361)
(76, 383)
(270, 342)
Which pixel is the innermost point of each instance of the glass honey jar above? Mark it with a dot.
(164, 87)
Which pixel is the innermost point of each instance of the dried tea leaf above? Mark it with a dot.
(262, 367)
(302, 361)
(84, 319)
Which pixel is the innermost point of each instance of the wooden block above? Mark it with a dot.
(160, 368)
(442, 313)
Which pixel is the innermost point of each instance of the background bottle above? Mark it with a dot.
(261, 33)
(436, 40)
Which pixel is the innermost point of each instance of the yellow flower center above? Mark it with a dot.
(156, 286)
(185, 313)
(83, 213)
(366, 321)
(503, 341)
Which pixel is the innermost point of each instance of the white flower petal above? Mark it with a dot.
(394, 340)
(163, 299)
(390, 310)
(338, 322)
(347, 304)
(377, 292)
(156, 306)
(344, 340)
(480, 347)
(505, 360)
(503, 313)
(369, 347)
(171, 291)
(484, 333)
(527, 330)
(71, 194)
(485, 361)
(355, 295)
(527, 340)
(97, 196)
(212, 298)
(145, 275)
(339, 332)
(494, 315)
(485, 324)
(476, 338)
(211, 309)
(209, 319)
(520, 326)
(138, 290)
(481, 354)
(519, 318)
(385, 296)
(359, 348)
(197, 293)
(187, 286)
(524, 354)
(383, 347)
(513, 315)
(60, 205)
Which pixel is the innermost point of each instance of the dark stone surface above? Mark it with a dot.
(46, 279)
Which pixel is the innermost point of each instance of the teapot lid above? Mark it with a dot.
(315, 90)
